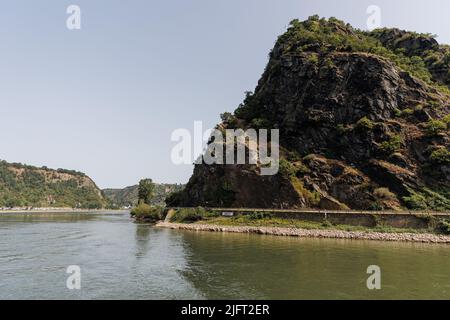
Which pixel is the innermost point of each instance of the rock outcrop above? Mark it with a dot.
(363, 122)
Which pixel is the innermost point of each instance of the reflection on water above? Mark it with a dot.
(265, 267)
(123, 260)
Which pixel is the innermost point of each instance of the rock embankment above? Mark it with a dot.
(304, 233)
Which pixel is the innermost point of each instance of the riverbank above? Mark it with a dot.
(311, 233)
(58, 210)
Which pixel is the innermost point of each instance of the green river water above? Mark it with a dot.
(120, 259)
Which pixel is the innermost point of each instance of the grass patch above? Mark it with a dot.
(189, 215)
(247, 220)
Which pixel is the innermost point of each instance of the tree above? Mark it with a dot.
(146, 191)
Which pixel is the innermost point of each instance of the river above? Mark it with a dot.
(119, 259)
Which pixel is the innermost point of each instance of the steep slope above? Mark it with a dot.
(435, 57)
(362, 126)
(129, 196)
(22, 185)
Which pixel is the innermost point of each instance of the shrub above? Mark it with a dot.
(446, 119)
(397, 112)
(326, 223)
(259, 215)
(224, 194)
(443, 226)
(312, 197)
(434, 127)
(418, 109)
(364, 123)
(192, 214)
(146, 212)
(384, 193)
(434, 104)
(415, 202)
(440, 156)
(392, 145)
(313, 59)
(376, 206)
(228, 118)
(175, 199)
(259, 123)
(286, 169)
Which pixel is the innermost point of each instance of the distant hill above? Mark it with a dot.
(129, 196)
(27, 186)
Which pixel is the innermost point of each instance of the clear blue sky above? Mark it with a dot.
(105, 99)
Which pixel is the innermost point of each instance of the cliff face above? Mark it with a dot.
(22, 185)
(363, 120)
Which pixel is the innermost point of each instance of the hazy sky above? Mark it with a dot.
(105, 99)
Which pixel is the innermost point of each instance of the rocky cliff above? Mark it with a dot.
(363, 120)
(28, 186)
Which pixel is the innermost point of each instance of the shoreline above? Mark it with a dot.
(313, 233)
(60, 210)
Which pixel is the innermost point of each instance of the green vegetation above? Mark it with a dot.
(313, 59)
(324, 36)
(428, 200)
(291, 171)
(440, 156)
(325, 89)
(286, 168)
(146, 191)
(364, 123)
(145, 212)
(416, 202)
(392, 145)
(175, 198)
(312, 197)
(317, 38)
(259, 215)
(443, 226)
(267, 219)
(222, 195)
(434, 127)
(229, 119)
(192, 215)
(259, 123)
(28, 186)
(128, 196)
(407, 112)
(446, 119)
(247, 220)
(436, 58)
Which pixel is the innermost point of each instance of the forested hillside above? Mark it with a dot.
(28, 186)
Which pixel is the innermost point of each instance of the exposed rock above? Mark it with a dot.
(352, 119)
(303, 233)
